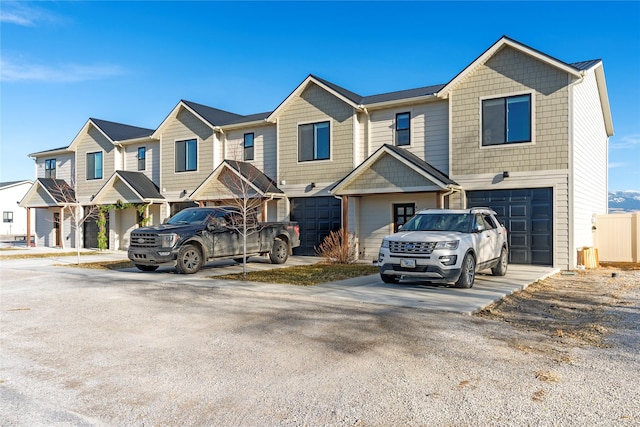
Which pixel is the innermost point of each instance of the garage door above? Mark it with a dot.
(317, 216)
(91, 232)
(528, 215)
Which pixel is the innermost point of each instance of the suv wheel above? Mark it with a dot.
(386, 278)
(468, 273)
(146, 267)
(189, 260)
(501, 268)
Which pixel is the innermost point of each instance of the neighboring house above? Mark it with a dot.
(14, 218)
(516, 130)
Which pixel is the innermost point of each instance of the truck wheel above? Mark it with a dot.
(501, 268)
(386, 278)
(468, 273)
(279, 252)
(147, 267)
(189, 260)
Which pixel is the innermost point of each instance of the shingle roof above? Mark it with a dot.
(214, 116)
(11, 183)
(141, 184)
(402, 94)
(255, 176)
(59, 189)
(585, 65)
(121, 132)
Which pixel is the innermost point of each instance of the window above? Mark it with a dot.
(506, 120)
(248, 146)
(94, 165)
(403, 129)
(186, 155)
(50, 168)
(313, 142)
(402, 213)
(142, 158)
(7, 216)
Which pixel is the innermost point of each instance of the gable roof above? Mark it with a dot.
(120, 132)
(60, 192)
(142, 187)
(248, 173)
(407, 158)
(8, 184)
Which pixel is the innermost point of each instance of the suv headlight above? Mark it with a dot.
(453, 244)
(385, 243)
(168, 240)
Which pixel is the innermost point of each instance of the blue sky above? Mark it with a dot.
(131, 62)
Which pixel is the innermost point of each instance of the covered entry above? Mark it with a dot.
(528, 216)
(317, 216)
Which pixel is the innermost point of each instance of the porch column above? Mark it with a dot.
(28, 227)
(439, 200)
(345, 218)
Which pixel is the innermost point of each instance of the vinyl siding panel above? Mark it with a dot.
(589, 160)
(316, 105)
(90, 142)
(64, 166)
(152, 167)
(264, 148)
(508, 72)
(429, 132)
(183, 127)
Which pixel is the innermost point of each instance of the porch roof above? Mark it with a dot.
(130, 187)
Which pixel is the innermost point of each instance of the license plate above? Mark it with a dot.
(408, 263)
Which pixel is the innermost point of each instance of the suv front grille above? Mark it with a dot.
(411, 247)
(143, 240)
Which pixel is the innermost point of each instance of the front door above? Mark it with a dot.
(56, 229)
(402, 212)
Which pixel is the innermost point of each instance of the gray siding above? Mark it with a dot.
(264, 146)
(152, 170)
(90, 142)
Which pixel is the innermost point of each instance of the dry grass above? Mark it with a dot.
(47, 255)
(102, 265)
(306, 275)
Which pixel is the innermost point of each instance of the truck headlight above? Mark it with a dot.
(168, 240)
(453, 244)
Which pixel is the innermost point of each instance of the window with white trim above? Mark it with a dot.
(506, 120)
(94, 165)
(7, 216)
(314, 142)
(142, 158)
(50, 168)
(186, 153)
(403, 129)
(248, 146)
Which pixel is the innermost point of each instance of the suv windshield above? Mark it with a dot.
(194, 216)
(439, 222)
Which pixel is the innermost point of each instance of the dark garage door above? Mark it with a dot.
(528, 215)
(317, 216)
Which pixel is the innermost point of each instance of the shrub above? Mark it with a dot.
(337, 250)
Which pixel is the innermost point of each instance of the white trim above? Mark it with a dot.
(197, 169)
(86, 170)
(315, 161)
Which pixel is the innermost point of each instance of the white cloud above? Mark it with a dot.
(616, 165)
(25, 14)
(63, 73)
(626, 141)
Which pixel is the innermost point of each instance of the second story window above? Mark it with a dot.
(313, 142)
(506, 120)
(248, 146)
(50, 168)
(94, 165)
(142, 158)
(403, 129)
(186, 155)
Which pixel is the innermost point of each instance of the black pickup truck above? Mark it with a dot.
(194, 236)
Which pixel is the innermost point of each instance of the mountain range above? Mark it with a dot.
(624, 201)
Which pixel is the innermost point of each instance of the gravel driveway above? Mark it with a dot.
(81, 347)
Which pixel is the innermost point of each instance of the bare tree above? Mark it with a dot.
(65, 195)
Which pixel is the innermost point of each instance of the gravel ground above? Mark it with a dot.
(81, 347)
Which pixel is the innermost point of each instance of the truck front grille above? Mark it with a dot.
(143, 240)
(411, 247)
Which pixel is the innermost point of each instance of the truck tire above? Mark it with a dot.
(501, 268)
(386, 278)
(279, 252)
(147, 267)
(189, 259)
(468, 273)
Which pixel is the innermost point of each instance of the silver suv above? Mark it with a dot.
(445, 246)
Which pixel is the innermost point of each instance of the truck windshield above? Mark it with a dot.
(439, 222)
(192, 216)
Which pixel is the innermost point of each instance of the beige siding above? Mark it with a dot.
(91, 142)
(508, 72)
(316, 105)
(589, 160)
(152, 167)
(429, 131)
(124, 221)
(183, 127)
(264, 148)
(376, 219)
(64, 166)
(119, 191)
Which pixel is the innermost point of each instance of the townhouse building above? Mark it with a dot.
(516, 130)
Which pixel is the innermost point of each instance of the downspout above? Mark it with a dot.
(452, 189)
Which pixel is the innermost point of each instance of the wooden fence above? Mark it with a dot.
(617, 237)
